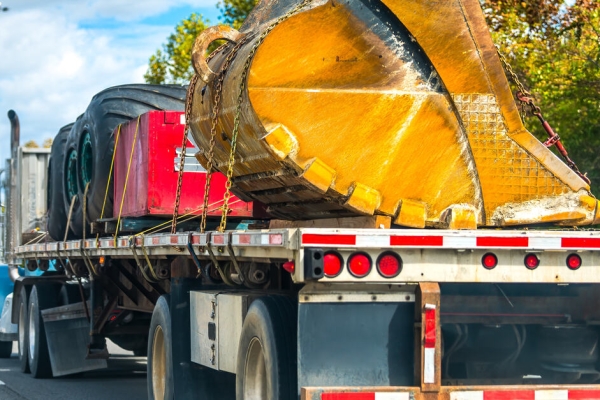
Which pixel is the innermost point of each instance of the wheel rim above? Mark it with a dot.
(255, 372)
(159, 364)
(22, 329)
(32, 329)
(87, 160)
(71, 175)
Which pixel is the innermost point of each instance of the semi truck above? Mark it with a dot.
(343, 204)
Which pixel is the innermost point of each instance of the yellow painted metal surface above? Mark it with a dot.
(400, 110)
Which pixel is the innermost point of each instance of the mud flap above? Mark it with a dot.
(68, 336)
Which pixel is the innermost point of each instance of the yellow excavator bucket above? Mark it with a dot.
(376, 107)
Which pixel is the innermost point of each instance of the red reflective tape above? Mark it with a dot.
(276, 239)
(195, 239)
(416, 241)
(218, 239)
(155, 240)
(584, 394)
(348, 396)
(174, 240)
(580, 242)
(313, 238)
(509, 395)
(245, 239)
(430, 328)
(491, 241)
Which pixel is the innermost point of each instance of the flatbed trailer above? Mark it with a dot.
(432, 289)
(427, 255)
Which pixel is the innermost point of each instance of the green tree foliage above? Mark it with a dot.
(173, 64)
(234, 12)
(554, 47)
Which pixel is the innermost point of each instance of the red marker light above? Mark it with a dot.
(289, 266)
(389, 265)
(489, 260)
(332, 263)
(359, 265)
(532, 261)
(574, 261)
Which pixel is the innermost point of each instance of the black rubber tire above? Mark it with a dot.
(108, 109)
(41, 298)
(161, 319)
(6, 349)
(23, 330)
(272, 321)
(57, 218)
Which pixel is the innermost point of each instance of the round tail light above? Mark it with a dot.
(389, 265)
(532, 261)
(573, 261)
(359, 264)
(489, 261)
(332, 264)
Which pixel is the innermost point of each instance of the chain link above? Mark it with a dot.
(218, 89)
(526, 100)
(238, 111)
(188, 115)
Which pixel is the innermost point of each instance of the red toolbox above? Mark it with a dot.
(154, 170)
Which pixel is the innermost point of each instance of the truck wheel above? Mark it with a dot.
(6, 349)
(266, 361)
(23, 331)
(160, 356)
(93, 141)
(41, 298)
(57, 218)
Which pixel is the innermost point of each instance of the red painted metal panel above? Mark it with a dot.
(152, 182)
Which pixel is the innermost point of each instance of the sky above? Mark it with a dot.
(56, 54)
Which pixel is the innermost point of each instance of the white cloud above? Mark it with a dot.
(130, 10)
(51, 66)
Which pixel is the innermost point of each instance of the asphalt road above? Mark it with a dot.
(124, 379)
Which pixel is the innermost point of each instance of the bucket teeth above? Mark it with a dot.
(383, 107)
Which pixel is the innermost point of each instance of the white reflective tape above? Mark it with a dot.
(429, 367)
(545, 243)
(182, 119)
(476, 395)
(392, 396)
(372, 241)
(457, 242)
(551, 395)
(264, 239)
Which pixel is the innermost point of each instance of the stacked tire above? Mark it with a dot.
(87, 152)
(57, 219)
